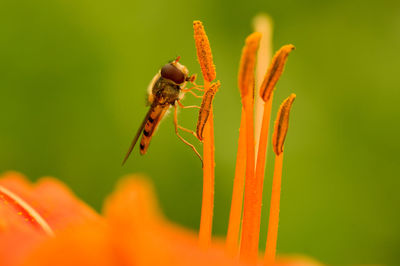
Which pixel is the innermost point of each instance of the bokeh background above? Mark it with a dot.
(73, 79)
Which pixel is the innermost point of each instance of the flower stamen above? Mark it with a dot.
(263, 145)
(247, 65)
(274, 71)
(204, 56)
(205, 107)
(282, 124)
(263, 24)
(278, 138)
(250, 231)
(204, 52)
(235, 215)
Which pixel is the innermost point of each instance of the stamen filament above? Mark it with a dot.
(260, 166)
(208, 70)
(250, 232)
(235, 216)
(278, 138)
(207, 208)
(263, 24)
(271, 78)
(272, 235)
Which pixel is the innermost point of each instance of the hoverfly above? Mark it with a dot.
(165, 90)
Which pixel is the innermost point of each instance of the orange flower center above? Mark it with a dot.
(249, 174)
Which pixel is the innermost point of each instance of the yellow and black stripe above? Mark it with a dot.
(148, 127)
(156, 113)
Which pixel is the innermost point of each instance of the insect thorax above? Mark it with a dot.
(166, 91)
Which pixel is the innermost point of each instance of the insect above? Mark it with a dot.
(165, 90)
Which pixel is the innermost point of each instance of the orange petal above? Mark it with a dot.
(86, 244)
(297, 260)
(136, 234)
(49, 199)
(143, 235)
(17, 235)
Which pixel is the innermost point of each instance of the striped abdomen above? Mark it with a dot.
(155, 115)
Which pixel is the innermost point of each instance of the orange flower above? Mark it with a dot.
(132, 231)
(44, 224)
(29, 215)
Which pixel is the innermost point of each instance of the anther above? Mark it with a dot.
(247, 64)
(282, 124)
(274, 71)
(205, 108)
(204, 51)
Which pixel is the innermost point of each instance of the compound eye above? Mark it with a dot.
(170, 72)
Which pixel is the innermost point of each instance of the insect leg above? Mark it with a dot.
(179, 136)
(188, 130)
(196, 87)
(185, 129)
(186, 107)
(191, 92)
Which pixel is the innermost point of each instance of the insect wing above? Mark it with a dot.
(138, 133)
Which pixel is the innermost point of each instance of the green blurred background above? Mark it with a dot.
(73, 79)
